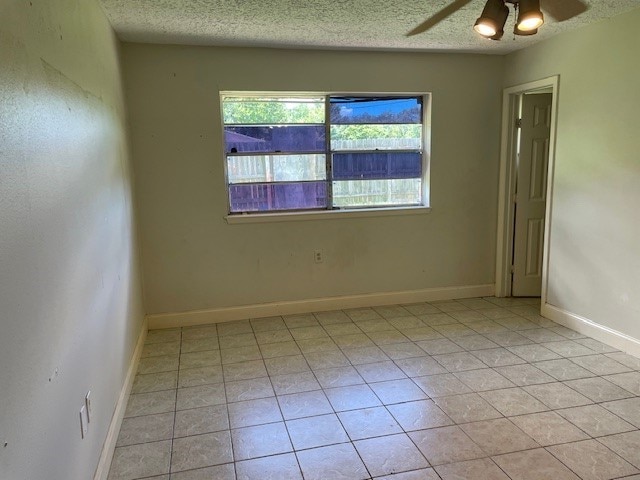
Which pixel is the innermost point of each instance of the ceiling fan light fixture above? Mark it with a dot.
(530, 17)
(492, 20)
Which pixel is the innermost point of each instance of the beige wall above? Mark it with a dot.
(595, 226)
(70, 301)
(192, 259)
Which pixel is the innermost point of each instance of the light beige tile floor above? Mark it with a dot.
(478, 389)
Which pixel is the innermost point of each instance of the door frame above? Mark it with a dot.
(507, 183)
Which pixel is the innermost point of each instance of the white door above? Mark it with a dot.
(531, 193)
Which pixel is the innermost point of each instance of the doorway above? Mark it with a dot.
(525, 188)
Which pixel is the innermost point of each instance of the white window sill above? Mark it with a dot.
(324, 215)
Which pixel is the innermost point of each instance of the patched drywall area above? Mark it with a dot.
(70, 297)
(594, 260)
(192, 259)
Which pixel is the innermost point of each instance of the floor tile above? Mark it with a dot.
(336, 462)
(352, 397)
(160, 349)
(549, 428)
(397, 391)
(459, 362)
(294, 383)
(533, 353)
(339, 329)
(304, 404)
(300, 320)
(475, 342)
(200, 359)
(193, 377)
(420, 366)
(201, 420)
(627, 445)
(163, 335)
(275, 467)
(234, 328)
(420, 333)
(596, 346)
(498, 436)
(237, 340)
(563, 369)
(235, 355)
(628, 409)
(260, 441)
(306, 333)
(267, 324)
(254, 412)
(317, 431)
(137, 461)
(201, 451)
(600, 364)
(218, 472)
(498, 357)
(244, 370)
(390, 454)
(513, 401)
(569, 348)
(272, 350)
(420, 308)
(439, 346)
(148, 428)
(592, 460)
(524, 374)
(625, 359)
(376, 324)
(482, 380)
(151, 403)
(327, 359)
(422, 474)
(446, 445)
(359, 356)
(595, 420)
(481, 469)
(508, 338)
(368, 422)
(629, 381)
(468, 407)
(204, 396)
(332, 317)
(154, 382)
(362, 314)
(419, 415)
(598, 389)
(249, 389)
(273, 336)
(392, 311)
(165, 363)
(380, 372)
(338, 377)
(557, 395)
(199, 345)
(535, 464)
(441, 385)
(286, 365)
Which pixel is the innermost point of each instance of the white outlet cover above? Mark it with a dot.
(84, 422)
(87, 403)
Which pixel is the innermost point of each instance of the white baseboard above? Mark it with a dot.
(583, 325)
(227, 314)
(102, 472)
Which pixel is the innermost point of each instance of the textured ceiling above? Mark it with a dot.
(333, 24)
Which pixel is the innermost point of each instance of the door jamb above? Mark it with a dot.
(506, 186)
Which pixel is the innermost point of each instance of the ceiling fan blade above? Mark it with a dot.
(438, 17)
(561, 10)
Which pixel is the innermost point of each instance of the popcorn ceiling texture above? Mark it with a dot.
(332, 24)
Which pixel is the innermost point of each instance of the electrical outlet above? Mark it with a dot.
(87, 403)
(318, 256)
(84, 422)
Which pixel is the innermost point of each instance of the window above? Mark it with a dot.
(293, 152)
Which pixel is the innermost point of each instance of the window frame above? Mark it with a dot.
(331, 211)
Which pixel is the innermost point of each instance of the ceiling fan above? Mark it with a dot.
(491, 22)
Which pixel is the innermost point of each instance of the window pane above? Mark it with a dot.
(270, 110)
(372, 137)
(353, 166)
(346, 110)
(273, 138)
(278, 196)
(276, 168)
(367, 193)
